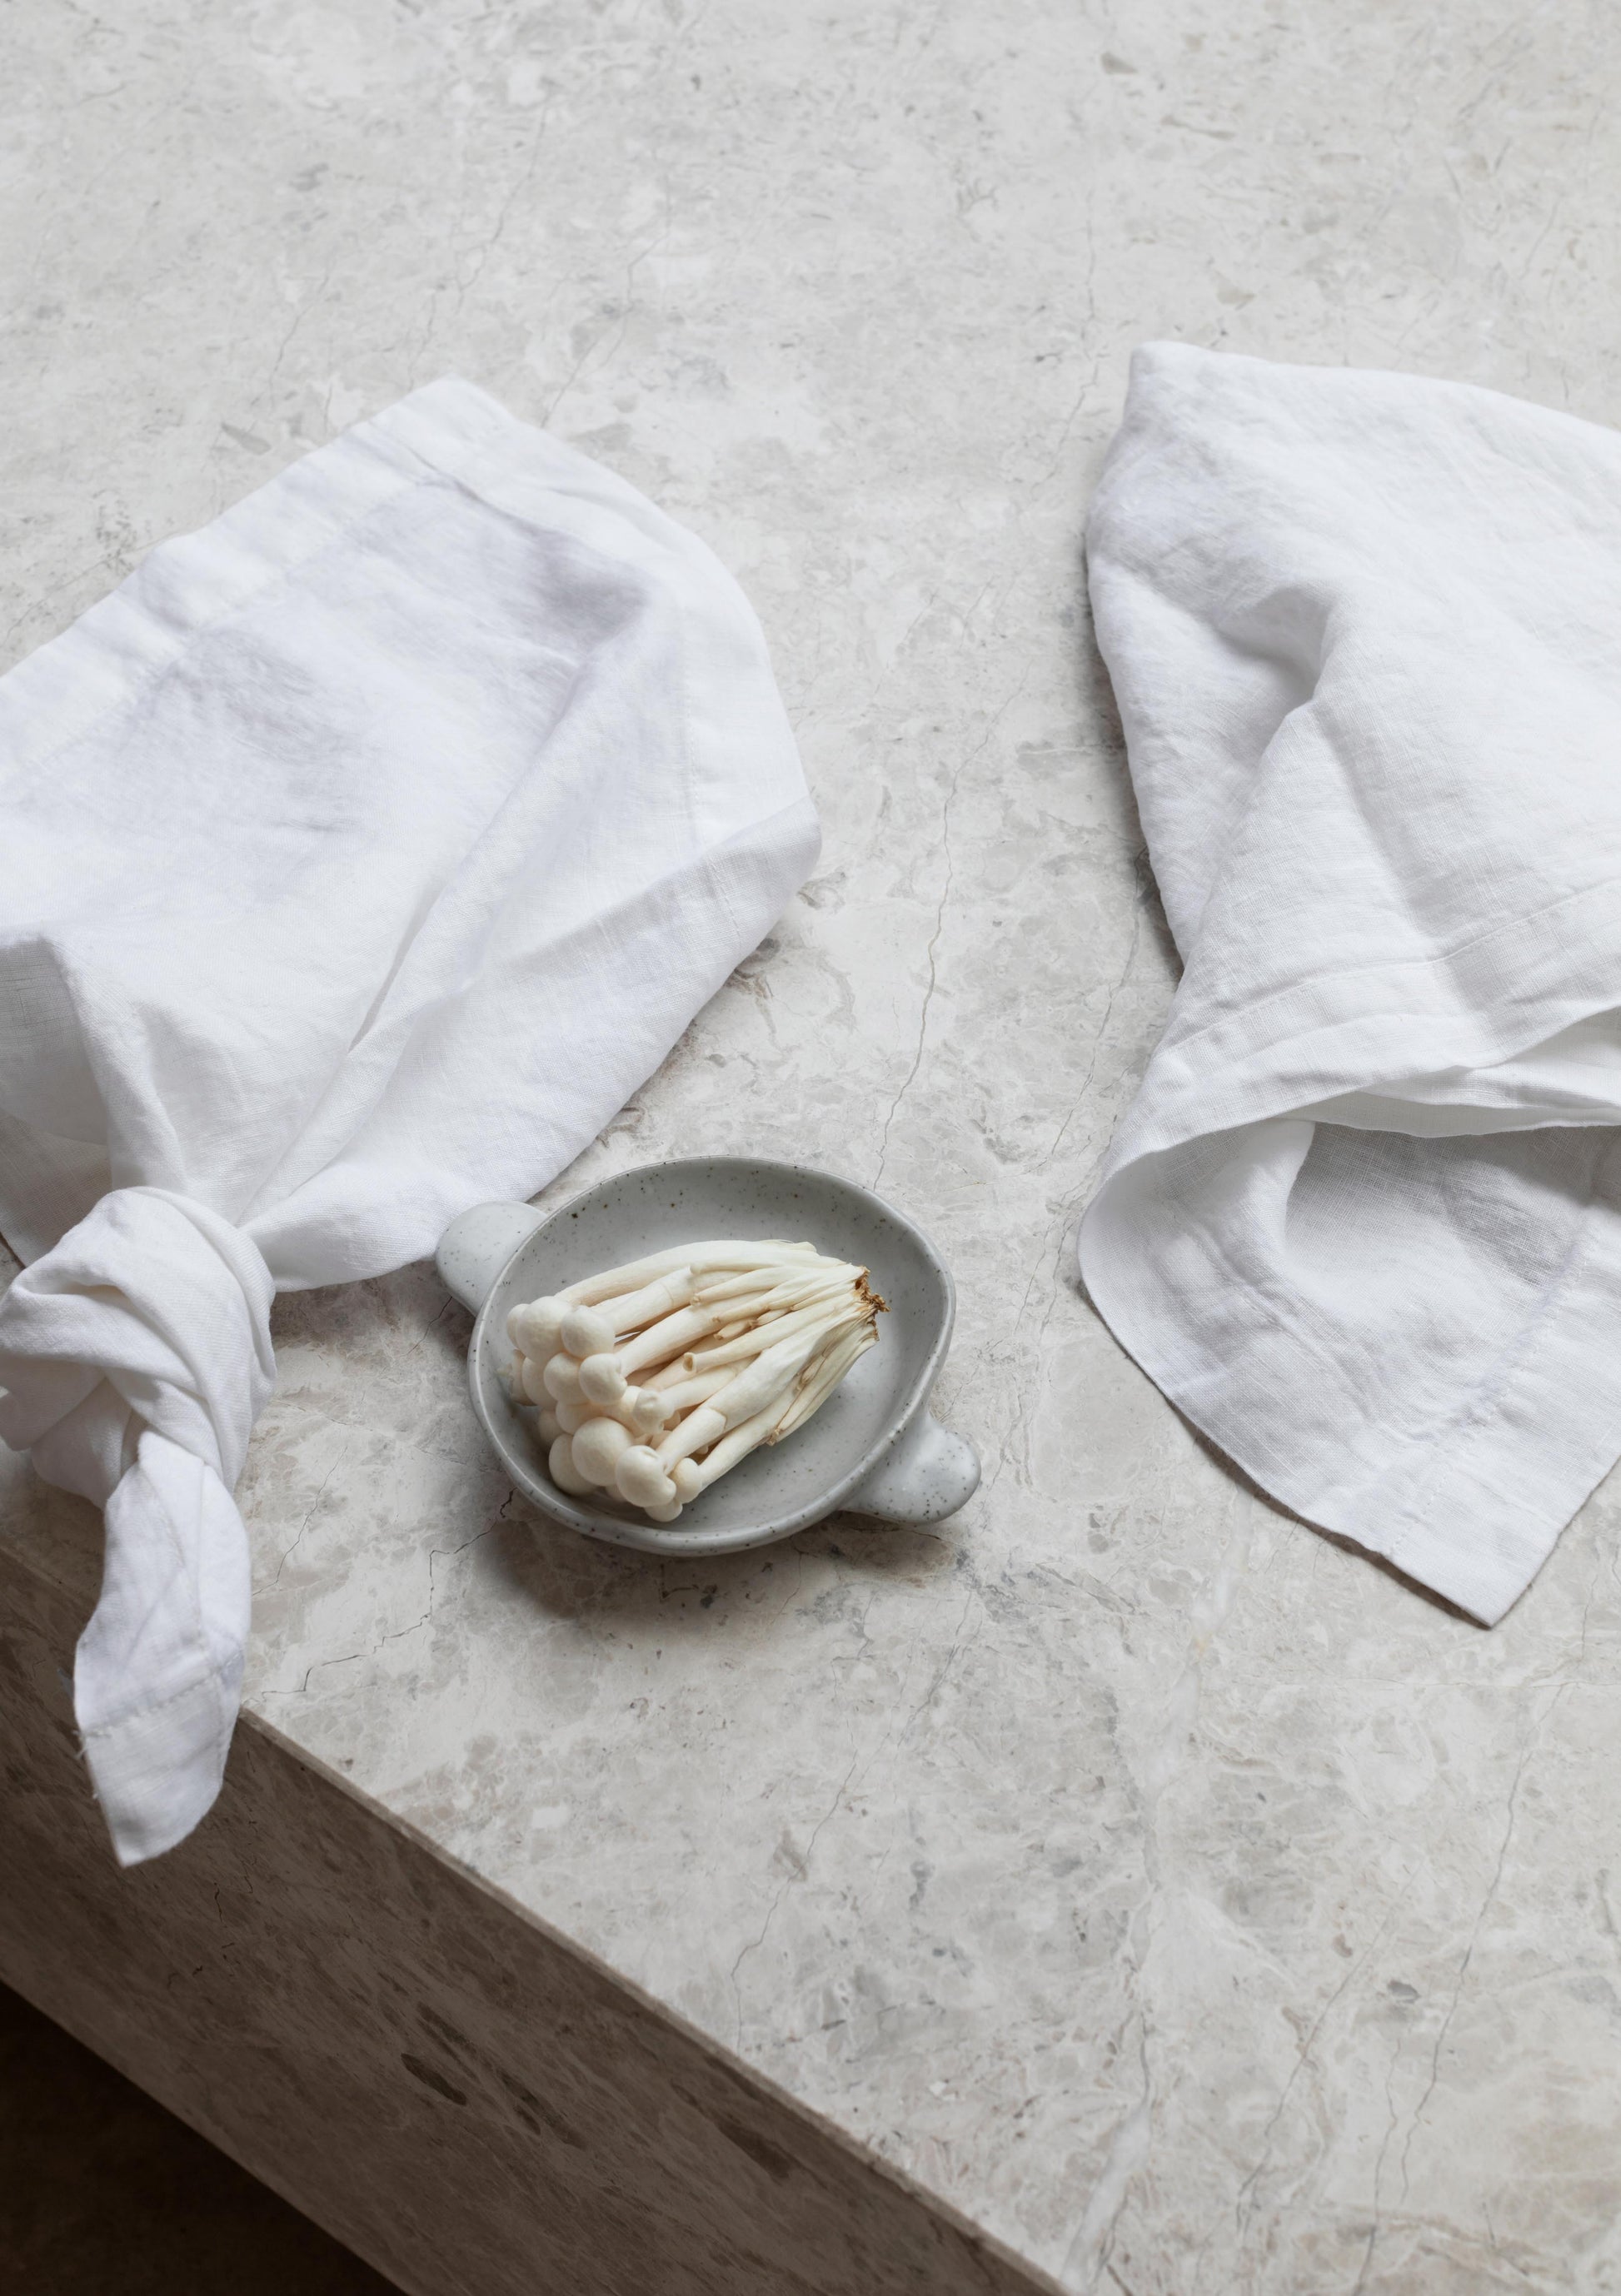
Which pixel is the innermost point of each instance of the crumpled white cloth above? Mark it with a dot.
(1363, 1222)
(364, 852)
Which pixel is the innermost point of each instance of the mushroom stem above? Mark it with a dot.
(758, 1339)
(700, 1259)
(733, 1445)
(822, 1378)
(695, 1432)
(662, 1340)
(789, 1278)
(671, 1337)
(635, 1309)
(684, 1395)
(769, 1379)
(668, 1375)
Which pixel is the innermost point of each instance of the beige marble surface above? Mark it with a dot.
(1187, 1901)
(467, 2098)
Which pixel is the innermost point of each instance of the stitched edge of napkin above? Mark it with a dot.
(1473, 1510)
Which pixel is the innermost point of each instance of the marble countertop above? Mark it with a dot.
(1182, 1897)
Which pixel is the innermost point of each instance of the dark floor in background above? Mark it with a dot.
(104, 2194)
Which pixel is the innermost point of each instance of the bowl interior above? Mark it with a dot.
(777, 1488)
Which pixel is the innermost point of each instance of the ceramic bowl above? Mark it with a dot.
(872, 1447)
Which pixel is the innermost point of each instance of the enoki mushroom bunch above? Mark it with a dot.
(652, 1379)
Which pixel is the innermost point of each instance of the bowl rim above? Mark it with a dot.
(657, 1539)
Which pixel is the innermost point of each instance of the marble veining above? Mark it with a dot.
(1191, 1904)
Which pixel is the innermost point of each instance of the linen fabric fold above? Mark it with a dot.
(364, 853)
(1362, 1223)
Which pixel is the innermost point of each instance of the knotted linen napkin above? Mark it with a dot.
(1362, 1223)
(364, 852)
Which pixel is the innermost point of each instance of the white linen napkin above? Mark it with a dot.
(1363, 1222)
(364, 852)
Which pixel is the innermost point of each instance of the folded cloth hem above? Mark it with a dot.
(157, 1771)
(193, 582)
(1230, 1073)
(1473, 1508)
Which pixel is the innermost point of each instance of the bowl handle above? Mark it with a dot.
(477, 1245)
(928, 1473)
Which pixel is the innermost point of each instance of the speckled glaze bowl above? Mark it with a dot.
(872, 1447)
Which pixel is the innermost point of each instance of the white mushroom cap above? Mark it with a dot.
(535, 1325)
(560, 1465)
(711, 1348)
(642, 1412)
(585, 1332)
(598, 1447)
(640, 1479)
(562, 1378)
(601, 1380)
